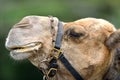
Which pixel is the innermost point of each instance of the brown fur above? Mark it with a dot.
(86, 44)
(113, 44)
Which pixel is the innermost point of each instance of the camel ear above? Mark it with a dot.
(113, 41)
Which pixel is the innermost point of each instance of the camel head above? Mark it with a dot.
(88, 44)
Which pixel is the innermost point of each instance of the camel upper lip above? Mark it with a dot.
(27, 47)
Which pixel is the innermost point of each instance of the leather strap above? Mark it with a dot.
(70, 68)
(53, 63)
(58, 41)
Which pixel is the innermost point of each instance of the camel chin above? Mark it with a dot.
(20, 56)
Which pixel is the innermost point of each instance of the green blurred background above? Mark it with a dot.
(12, 11)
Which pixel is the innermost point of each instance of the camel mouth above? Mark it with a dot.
(26, 48)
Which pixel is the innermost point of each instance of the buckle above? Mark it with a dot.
(56, 52)
(52, 72)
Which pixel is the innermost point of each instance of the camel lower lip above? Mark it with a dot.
(26, 48)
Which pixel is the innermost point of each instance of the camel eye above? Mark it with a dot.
(75, 34)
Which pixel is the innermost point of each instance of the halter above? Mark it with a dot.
(57, 54)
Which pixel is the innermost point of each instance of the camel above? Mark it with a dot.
(90, 45)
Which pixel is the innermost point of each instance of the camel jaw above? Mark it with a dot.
(24, 51)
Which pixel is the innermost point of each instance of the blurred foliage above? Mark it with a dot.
(12, 11)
